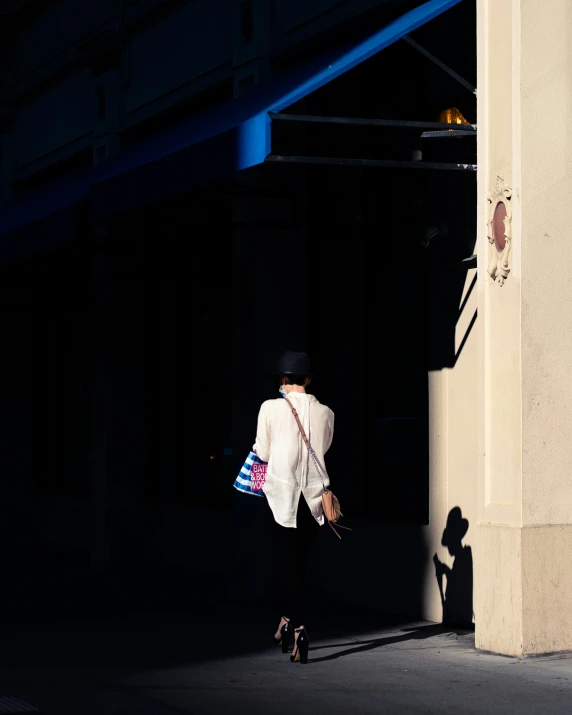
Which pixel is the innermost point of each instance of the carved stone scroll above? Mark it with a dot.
(499, 231)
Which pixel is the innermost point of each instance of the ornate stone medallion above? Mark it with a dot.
(499, 231)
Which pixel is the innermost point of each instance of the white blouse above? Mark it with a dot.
(291, 471)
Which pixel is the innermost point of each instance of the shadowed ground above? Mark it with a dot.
(86, 648)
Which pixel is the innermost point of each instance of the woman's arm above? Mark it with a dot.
(329, 433)
(262, 444)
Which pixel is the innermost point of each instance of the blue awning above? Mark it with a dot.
(232, 136)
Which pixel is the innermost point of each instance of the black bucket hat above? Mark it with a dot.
(294, 363)
(457, 527)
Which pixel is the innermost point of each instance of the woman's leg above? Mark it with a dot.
(285, 564)
(292, 547)
(306, 533)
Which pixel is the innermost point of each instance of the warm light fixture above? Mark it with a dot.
(452, 116)
(449, 116)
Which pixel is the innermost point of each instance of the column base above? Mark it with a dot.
(523, 598)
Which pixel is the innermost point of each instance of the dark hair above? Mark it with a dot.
(295, 379)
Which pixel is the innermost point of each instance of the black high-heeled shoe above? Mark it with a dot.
(301, 646)
(285, 635)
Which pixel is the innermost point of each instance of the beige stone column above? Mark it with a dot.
(523, 579)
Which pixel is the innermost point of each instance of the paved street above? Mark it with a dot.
(97, 650)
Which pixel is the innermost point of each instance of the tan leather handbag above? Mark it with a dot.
(330, 503)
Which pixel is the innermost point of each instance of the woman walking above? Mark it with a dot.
(293, 486)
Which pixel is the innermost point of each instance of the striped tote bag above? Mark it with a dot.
(252, 476)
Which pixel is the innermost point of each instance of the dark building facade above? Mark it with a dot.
(146, 287)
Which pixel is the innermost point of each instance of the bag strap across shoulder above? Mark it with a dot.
(317, 463)
(327, 496)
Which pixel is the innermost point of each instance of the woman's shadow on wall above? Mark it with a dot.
(457, 596)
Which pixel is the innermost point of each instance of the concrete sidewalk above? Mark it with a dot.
(99, 651)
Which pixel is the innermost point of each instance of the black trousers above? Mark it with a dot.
(292, 548)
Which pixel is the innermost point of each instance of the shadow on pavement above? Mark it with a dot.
(419, 633)
(129, 626)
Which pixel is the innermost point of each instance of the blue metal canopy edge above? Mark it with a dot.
(232, 136)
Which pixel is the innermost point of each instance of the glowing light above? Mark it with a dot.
(452, 116)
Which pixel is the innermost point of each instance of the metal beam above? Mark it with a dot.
(451, 72)
(360, 121)
(447, 134)
(374, 163)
